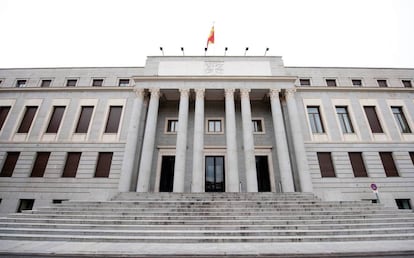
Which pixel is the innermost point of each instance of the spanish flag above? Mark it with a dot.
(211, 37)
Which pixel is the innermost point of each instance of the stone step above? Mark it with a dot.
(205, 239)
(131, 226)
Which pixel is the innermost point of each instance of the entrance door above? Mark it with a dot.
(215, 174)
(263, 179)
(167, 174)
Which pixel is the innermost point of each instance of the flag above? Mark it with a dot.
(211, 37)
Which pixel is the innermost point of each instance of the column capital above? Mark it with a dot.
(229, 92)
(184, 92)
(199, 93)
(289, 92)
(274, 93)
(155, 92)
(244, 93)
(139, 92)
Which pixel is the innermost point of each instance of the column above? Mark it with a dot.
(198, 145)
(281, 143)
(248, 141)
(131, 146)
(232, 177)
(181, 146)
(305, 178)
(148, 143)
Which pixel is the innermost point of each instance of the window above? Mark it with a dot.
(214, 126)
(325, 164)
(388, 164)
(331, 82)
(315, 119)
(373, 121)
(357, 83)
(45, 83)
(407, 83)
(25, 204)
(103, 165)
(382, 83)
(21, 83)
(58, 201)
(357, 163)
(28, 117)
(4, 111)
(84, 119)
(40, 164)
(304, 82)
(123, 82)
(257, 125)
(344, 119)
(403, 203)
(97, 82)
(400, 119)
(113, 119)
(412, 157)
(172, 125)
(71, 165)
(9, 164)
(55, 119)
(71, 82)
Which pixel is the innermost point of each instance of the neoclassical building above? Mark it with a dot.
(205, 124)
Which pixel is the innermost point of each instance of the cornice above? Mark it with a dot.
(66, 89)
(215, 78)
(353, 89)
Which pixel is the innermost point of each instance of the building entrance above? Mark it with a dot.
(167, 174)
(263, 178)
(215, 174)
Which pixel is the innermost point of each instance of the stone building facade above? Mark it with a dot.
(202, 124)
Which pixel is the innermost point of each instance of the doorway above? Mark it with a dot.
(167, 174)
(263, 178)
(215, 177)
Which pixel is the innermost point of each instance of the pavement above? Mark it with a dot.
(395, 249)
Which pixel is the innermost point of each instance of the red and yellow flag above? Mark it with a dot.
(211, 37)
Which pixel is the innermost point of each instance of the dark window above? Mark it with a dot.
(257, 125)
(58, 201)
(315, 119)
(20, 83)
(357, 83)
(172, 125)
(113, 119)
(388, 164)
(400, 119)
(214, 126)
(407, 83)
(123, 82)
(103, 165)
(382, 83)
(325, 164)
(9, 164)
(304, 82)
(4, 111)
(71, 165)
(357, 163)
(55, 119)
(331, 82)
(71, 82)
(403, 203)
(84, 119)
(45, 83)
(25, 204)
(29, 114)
(412, 156)
(40, 164)
(97, 82)
(372, 117)
(344, 119)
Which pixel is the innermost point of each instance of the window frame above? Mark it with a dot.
(262, 124)
(109, 128)
(373, 122)
(326, 165)
(23, 128)
(409, 82)
(4, 115)
(44, 80)
(9, 164)
(346, 126)
(103, 164)
(17, 85)
(307, 80)
(71, 79)
(358, 164)
(382, 83)
(214, 120)
(316, 128)
(50, 126)
(40, 164)
(354, 85)
(401, 120)
(168, 128)
(70, 171)
(331, 82)
(124, 85)
(97, 79)
(84, 130)
(390, 168)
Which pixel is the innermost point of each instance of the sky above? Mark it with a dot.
(340, 33)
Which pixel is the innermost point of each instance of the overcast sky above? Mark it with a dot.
(49, 33)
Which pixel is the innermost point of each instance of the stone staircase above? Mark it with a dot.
(209, 217)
